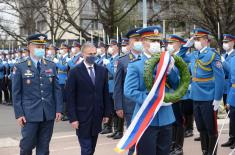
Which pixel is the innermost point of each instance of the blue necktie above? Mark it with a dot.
(38, 67)
(92, 75)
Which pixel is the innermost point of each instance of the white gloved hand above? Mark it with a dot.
(4, 62)
(216, 104)
(13, 61)
(166, 104)
(171, 65)
(222, 59)
(55, 60)
(106, 61)
(189, 43)
(68, 59)
(189, 87)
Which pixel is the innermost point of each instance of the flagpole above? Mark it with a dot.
(144, 13)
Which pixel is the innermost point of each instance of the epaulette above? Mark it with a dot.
(122, 56)
(134, 60)
(21, 61)
(48, 60)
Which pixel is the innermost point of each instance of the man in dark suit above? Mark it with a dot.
(88, 100)
(36, 97)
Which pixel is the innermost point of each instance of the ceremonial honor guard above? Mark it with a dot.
(51, 52)
(156, 139)
(183, 107)
(62, 69)
(37, 97)
(2, 79)
(228, 61)
(206, 89)
(101, 53)
(76, 57)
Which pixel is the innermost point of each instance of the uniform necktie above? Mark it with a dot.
(92, 75)
(38, 67)
(226, 55)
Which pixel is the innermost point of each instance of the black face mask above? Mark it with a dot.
(91, 59)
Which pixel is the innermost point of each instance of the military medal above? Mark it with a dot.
(28, 73)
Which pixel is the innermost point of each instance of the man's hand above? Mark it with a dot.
(105, 120)
(21, 121)
(75, 125)
(58, 117)
(216, 104)
(120, 113)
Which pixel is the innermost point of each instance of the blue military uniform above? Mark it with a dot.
(2, 68)
(228, 65)
(37, 97)
(206, 89)
(157, 137)
(183, 109)
(74, 61)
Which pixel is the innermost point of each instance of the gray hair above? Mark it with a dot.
(87, 45)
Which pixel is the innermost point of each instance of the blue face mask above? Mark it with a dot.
(138, 46)
(91, 59)
(39, 52)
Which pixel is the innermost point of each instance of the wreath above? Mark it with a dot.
(184, 77)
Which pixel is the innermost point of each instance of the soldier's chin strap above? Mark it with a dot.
(221, 129)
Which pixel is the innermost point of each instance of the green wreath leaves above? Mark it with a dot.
(184, 77)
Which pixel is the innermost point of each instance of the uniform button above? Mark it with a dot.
(40, 77)
(41, 84)
(41, 91)
(42, 98)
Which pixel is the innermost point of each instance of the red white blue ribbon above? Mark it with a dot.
(148, 109)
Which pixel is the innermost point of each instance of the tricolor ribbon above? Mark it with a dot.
(148, 109)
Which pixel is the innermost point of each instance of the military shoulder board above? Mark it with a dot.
(134, 60)
(49, 60)
(21, 61)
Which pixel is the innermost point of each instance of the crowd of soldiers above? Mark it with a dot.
(126, 87)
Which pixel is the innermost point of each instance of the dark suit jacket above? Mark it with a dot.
(121, 102)
(86, 102)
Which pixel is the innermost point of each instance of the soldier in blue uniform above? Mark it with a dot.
(206, 88)
(62, 69)
(101, 53)
(228, 61)
(24, 54)
(36, 98)
(183, 109)
(125, 46)
(51, 51)
(156, 140)
(2, 77)
(111, 65)
(76, 56)
(125, 107)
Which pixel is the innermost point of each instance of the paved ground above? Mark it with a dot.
(64, 141)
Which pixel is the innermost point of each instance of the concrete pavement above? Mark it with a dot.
(64, 141)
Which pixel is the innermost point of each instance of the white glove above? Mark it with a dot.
(68, 59)
(189, 43)
(106, 61)
(216, 104)
(167, 104)
(55, 60)
(171, 65)
(222, 59)
(13, 61)
(189, 87)
(4, 62)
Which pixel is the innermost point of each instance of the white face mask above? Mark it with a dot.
(198, 45)
(99, 51)
(73, 50)
(226, 46)
(23, 54)
(170, 48)
(124, 49)
(49, 52)
(62, 52)
(155, 47)
(7, 57)
(110, 50)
